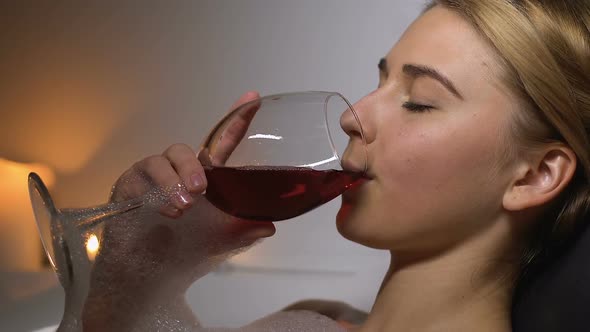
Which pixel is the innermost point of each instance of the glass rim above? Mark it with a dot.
(37, 187)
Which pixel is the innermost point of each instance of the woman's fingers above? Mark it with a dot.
(161, 174)
(245, 98)
(129, 185)
(236, 127)
(177, 171)
(180, 165)
(184, 161)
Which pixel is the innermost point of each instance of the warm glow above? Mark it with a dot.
(14, 177)
(20, 247)
(63, 114)
(92, 246)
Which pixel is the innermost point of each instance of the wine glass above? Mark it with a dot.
(279, 156)
(271, 159)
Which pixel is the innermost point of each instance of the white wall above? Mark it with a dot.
(92, 88)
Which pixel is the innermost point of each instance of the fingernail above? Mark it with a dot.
(197, 181)
(184, 198)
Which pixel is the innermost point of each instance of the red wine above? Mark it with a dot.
(274, 193)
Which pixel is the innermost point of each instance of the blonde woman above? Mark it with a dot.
(479, 157)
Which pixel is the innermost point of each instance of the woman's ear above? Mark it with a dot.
(541, 178)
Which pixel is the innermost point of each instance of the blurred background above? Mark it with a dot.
(86, 89)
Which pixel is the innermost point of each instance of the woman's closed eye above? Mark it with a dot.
(417, 108)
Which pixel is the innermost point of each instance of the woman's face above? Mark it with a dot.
(435, 129)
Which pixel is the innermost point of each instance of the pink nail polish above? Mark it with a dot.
(184, 198)
(197, 181)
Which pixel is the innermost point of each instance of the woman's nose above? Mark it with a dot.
(358, 122)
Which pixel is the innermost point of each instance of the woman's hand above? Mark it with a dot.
(177, 178)
(178, 169)
(151, 255)
(176, 172)
(183, 229)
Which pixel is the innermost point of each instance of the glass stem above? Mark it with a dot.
(91, 217)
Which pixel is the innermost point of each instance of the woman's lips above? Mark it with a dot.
(353, 191)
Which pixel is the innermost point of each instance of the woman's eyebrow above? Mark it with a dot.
(414, 71)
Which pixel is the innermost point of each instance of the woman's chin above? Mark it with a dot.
(353, 224)
(346, 219)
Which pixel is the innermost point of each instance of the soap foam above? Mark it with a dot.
(287, 321)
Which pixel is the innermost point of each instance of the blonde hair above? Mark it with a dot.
(543, 47)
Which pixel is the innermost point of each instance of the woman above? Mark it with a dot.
(479, 157)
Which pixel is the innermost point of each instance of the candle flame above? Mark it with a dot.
(92, 246)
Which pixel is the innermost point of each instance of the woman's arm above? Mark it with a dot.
(150, 256)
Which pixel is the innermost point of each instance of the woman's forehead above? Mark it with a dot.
(442, 39)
